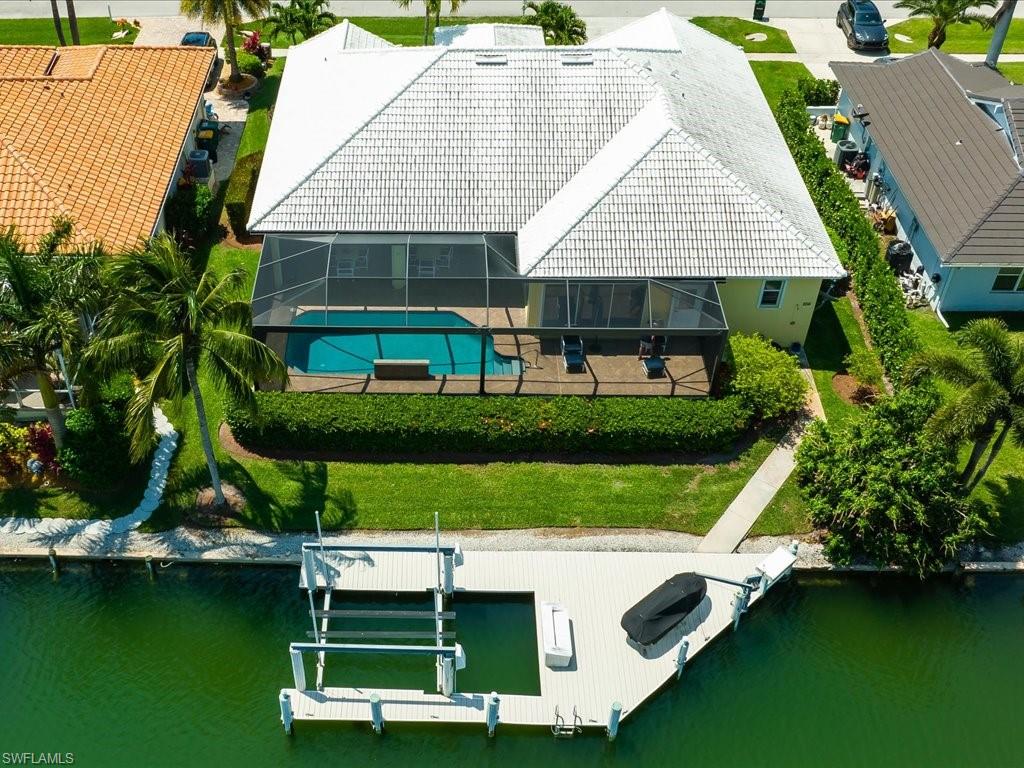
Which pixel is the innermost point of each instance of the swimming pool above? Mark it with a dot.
(354, 353)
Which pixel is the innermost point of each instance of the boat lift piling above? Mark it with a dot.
(52, 554)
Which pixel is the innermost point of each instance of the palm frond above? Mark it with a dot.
(962, 369)
(991, 337)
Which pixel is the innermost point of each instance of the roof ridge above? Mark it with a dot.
(1000, 198)
(722, 168)
(442, 51)
(40, 182)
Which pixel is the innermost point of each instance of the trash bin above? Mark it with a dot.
(845, 151)
(840, 127)
(759, 10)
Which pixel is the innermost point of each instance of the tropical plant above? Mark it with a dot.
(988, 370)
(427, 10)
(46, 300)
(435, 7)
(559, 21)
(300, 18)
(945, 12)
(230, 13)
(884, 489)
(73, 22)
(172, 310)
(55, 12)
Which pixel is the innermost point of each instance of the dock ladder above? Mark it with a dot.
(563, 730)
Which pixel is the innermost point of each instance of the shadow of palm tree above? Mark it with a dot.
(1007, 495)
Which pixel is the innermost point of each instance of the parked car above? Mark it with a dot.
(204, 40)
(862, 24)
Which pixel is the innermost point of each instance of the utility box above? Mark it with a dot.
(759, 9)
(846, 150)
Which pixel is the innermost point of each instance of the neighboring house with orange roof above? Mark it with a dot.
(96, 133)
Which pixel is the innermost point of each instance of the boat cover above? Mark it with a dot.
(663, 609)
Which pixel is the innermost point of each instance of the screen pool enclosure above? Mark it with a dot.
(332, 304)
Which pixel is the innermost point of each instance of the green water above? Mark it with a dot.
(824, 672)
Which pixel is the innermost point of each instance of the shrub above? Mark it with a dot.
(863, 366)
(768, 379)
(248, 64)
(41, 446)
(241, 188)
(189, 212)
(13, 450)
(817, 92)
(399, 424)
(877, 289)
(884, 490)
(96, 449)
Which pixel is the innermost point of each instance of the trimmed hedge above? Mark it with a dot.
(413, 424)
(877, 289)
(241, 188)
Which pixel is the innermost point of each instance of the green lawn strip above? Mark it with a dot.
(1003, 484)
(55, 501)
(257, 122)
(1014, 71)
(92, 30)
(833, 334)
(960, 38)
(735, 30)
(401, 30)
(785, 514)
(774, 77)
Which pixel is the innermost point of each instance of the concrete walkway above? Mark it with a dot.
(739, 517)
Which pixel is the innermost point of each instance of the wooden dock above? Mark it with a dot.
(596, 588)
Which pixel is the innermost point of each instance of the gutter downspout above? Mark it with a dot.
(995, 46)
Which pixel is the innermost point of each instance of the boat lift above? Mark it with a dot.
(318, 571)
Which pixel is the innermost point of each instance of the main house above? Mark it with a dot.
(476, 207)
(98, 134)
(945, 139)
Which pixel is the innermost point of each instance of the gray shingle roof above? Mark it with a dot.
(464, 140)
(955, 165)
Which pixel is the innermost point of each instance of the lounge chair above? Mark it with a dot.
(654, 367)
(573, 357)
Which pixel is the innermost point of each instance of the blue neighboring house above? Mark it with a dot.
(945, 142)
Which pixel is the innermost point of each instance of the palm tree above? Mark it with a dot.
(435, 7)
(180, 318)
(281, 23)
(427, 10)
(55, 11)
(305, 18)
(999, 22)
(73, 22)
(43, 299)
(559, 21)
(945, 12)
(988, 369)
(230, 12)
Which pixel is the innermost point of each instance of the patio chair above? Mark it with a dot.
(444, 259)
(573, 357)
(344, 267)
(653, 367)
(652, 346)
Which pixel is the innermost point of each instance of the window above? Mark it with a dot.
(771, 294)
(1009, 279)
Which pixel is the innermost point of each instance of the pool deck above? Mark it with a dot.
(613, 371)
(595, 588)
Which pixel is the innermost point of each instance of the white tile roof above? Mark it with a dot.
(656, 157)
(489, 36)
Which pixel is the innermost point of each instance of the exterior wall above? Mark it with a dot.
(785, 324)
(179, 168)
(969, 289)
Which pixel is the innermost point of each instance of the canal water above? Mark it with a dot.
(877, 671)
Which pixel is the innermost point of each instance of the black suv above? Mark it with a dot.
(862, 24)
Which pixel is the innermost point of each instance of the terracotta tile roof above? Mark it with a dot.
(94, 134)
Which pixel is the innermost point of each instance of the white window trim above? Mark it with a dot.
(782, 294)
(1018, 286)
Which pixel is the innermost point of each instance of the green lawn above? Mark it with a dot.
(1014, 72)
(91, 31)
(403, 30)
(960, 38)
(257, 122)
(787, 513)
(735, 30)
(833, 334)
(774, 77)
(59, 502)
(1003, 485)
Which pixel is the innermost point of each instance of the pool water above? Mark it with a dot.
(826, 671)
(354, 353)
